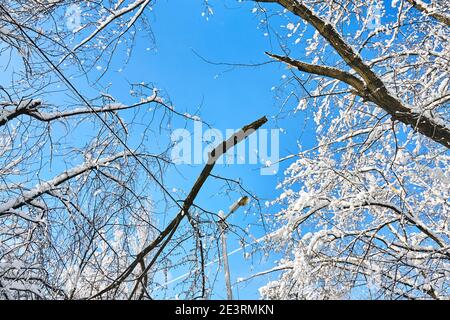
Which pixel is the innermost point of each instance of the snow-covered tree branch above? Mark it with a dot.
(96, 203)
(366, 210)
(375, 90)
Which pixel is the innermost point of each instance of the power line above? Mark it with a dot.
(84, 100)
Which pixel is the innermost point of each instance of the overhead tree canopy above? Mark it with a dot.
(363, 213)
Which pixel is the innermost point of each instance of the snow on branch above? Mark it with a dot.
(428, 10)
(102, 24)
(31, 108)
(49, 185)
(377, 92)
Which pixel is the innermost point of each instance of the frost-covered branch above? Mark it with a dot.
(377, 92)
(428, 10)
(49, 185)
(115, 14)
(326, 71)
(31, 108)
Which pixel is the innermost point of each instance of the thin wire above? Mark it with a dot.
(77, 93)
(217, 260)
